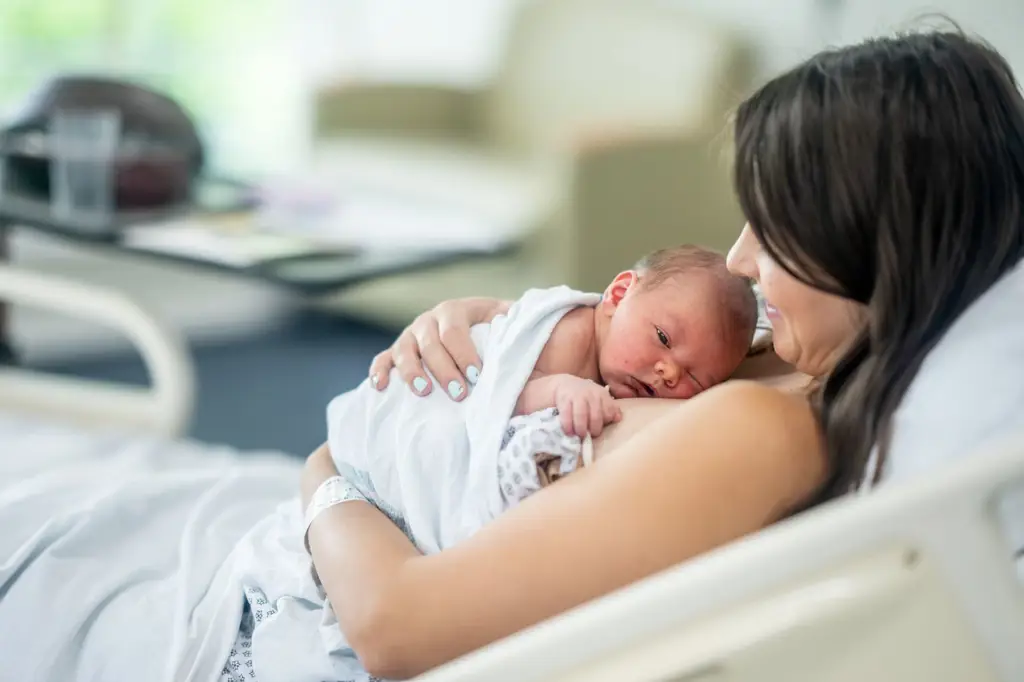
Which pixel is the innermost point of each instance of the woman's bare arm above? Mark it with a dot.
(709, 471)
(354, 546)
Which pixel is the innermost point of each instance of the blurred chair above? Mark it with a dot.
(599, 137)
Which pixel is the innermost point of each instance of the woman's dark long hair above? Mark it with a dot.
(890, 173)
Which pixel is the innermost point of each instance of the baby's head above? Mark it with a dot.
(674, 325)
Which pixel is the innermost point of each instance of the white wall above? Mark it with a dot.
(1000, 22)
(785, 31)
(452, 41)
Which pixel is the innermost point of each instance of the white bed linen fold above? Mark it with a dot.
(114, 548)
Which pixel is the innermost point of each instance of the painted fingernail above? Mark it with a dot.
(454, 388)
(420, 384)
(473, 374)
(374, 380)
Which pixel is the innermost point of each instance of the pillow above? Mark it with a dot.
(969, 393)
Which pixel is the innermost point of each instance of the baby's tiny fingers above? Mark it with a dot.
(596, 419)
(580, 418)
(565, 418)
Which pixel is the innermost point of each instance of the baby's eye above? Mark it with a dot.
(662, 336)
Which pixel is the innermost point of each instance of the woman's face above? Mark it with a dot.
(811, 329)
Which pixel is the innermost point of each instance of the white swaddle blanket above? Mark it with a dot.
(431, 463)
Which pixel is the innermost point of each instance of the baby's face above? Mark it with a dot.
(667, 341)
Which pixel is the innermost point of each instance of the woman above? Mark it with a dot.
(883, 184)
(884, 187)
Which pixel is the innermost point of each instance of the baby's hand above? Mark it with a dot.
(584, 406)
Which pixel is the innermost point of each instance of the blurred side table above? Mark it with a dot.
(233, 242)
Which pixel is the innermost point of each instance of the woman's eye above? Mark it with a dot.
(662, 336)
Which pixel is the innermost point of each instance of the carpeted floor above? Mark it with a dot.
(268, 391)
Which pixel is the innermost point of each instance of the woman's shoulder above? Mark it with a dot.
(772, 435)
(759, 447)
(743, 403)
(739, 429)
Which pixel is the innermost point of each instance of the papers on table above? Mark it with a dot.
(366, 220)
(356, 223)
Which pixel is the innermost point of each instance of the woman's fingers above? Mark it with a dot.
(458, 342)
(406, 353)
(439, 343)
(380, 369)
(436, 354)
(453, 358)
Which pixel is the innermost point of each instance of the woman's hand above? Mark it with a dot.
(438, 341)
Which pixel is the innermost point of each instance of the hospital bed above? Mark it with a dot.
(912, 584)
(915, 583)
(164, 408)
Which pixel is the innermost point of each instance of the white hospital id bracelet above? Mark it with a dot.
(334, 490)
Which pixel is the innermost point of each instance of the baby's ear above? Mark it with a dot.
(617, 290)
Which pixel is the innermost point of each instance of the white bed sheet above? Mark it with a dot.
(115, 550)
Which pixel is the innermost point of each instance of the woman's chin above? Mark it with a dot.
(786, 351)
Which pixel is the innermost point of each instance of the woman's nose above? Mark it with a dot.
(741, 260)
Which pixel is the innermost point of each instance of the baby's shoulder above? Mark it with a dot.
(575, 325)
(571, 337)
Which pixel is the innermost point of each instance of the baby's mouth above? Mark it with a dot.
(642, 388)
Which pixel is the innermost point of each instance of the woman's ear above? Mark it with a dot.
(617, 290)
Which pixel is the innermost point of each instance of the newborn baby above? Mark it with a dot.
(671, 327)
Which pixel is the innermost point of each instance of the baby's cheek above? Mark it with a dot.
(623, 354)
(628, 362)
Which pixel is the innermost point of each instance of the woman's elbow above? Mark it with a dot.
(384, 657)
(386, 663)
(383, 640)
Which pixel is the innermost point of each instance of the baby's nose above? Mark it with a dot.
(668, 372)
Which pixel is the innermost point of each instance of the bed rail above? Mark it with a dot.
(165, 407)
(914, 582)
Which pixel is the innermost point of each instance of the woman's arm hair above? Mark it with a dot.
(439, 341)
(709, 471)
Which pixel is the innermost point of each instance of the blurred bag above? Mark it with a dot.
(159, 153)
